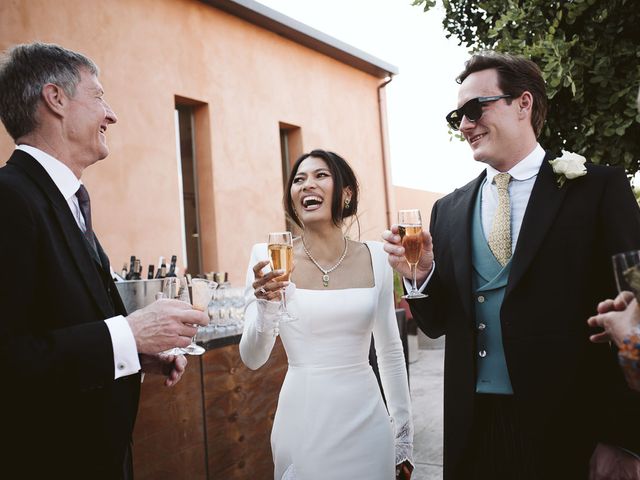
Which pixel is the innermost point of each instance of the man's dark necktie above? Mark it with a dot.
(85, 208)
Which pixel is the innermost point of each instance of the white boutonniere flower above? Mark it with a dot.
(567, 167)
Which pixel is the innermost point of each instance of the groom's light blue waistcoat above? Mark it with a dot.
(489, 283)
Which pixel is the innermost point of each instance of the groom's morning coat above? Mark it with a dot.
(571, 392)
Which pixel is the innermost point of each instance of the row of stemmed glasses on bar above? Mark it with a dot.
(226, 313)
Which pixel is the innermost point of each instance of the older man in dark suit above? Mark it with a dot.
(71, 359)
(513, 264)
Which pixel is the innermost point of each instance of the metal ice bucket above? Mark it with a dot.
(137, 294)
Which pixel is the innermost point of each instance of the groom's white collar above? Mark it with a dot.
(523, 170)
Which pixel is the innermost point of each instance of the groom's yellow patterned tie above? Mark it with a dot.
(500, 237)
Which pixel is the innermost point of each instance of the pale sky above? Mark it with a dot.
(423, 155)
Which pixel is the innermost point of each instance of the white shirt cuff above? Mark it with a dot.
(407, 282)
(125, 353)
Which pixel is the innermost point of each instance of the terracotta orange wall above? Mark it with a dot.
(249, 78)
(407, 198)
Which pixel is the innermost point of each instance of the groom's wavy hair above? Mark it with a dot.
(516, 75)
(343, 177)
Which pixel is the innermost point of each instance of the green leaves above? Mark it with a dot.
(589, 54)
(427, 3)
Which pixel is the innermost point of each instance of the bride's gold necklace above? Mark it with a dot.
(326, 272)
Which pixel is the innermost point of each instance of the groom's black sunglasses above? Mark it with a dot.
(472, 110)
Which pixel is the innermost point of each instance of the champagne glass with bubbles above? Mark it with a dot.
(202, 291)
(410, 230)
(281, 257)
(626, 268)
(170, 289)
(201, 295)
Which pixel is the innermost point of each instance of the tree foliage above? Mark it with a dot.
(589, 53)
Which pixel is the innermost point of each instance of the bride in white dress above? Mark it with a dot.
(331, 422)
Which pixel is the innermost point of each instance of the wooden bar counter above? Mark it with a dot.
(215, 424)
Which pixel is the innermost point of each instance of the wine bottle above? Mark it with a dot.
(172, 266)
(160, 264)
(162, 271)
(132, 262)
(124, 272)
(137, 270)
(150, 274)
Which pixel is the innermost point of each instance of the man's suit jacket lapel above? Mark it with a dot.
(460, 227)
(76, 241)
(101, 258)
(112, 289)
(541, 211)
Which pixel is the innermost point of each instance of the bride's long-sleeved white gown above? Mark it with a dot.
(331, 422)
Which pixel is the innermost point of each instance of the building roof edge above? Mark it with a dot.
(274, 21)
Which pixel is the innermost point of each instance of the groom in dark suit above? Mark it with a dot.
(513, 264)
(71, 357)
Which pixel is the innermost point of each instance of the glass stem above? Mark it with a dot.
(414, 268)
(284, 301)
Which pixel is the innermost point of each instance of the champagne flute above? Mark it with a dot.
(626, 268)
(410, 230)
(201, 294)
(170, 289)
(178, 289)
(280, 246)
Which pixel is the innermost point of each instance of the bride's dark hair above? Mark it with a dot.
(343, 177)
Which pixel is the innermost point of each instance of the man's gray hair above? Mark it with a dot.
(24, 70)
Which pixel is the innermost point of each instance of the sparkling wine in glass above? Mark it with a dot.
(410, 230)
(170, 289)
(177, 289)
(626, 268)
(281, 257)
(201, 295)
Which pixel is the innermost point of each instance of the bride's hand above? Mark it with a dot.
(266, 286)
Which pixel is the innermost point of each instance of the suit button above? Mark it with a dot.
(482, 353)
(481, 326)
(480, 299)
